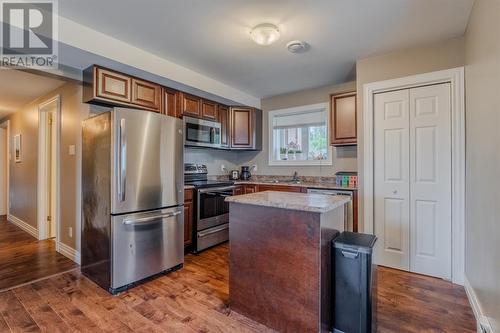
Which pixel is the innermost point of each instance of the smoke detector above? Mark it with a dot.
(297, 46)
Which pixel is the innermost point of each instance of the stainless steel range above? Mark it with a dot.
(211, 223)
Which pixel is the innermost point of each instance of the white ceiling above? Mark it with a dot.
(18, 88)
(211, 36)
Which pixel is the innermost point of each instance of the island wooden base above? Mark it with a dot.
(279, 264)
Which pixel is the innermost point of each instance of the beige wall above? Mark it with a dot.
(482, 56)
(419, 60)
(344, 158)
(3, 171)
(23, 176)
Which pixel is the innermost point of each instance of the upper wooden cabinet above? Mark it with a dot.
(343, 127)
(111, 85)
(190, 105)
(107, 87)
(209, 110)
(224, 125)
(171, 103)
(245, 128)
(146, 94)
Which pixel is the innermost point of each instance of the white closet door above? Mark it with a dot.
(430, 180)
(391, 201)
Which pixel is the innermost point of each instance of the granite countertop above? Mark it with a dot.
(321, 185)
(315, 203)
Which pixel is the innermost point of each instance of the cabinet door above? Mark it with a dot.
(242, 127)
(188, 223)
(238, 190)
(146, 94)
(343, 126)
(280, 188)
(190, 105)
(171, 103)
(209, 110)
(224, 125)
(188, 217)
(251, 189)
(112, 85)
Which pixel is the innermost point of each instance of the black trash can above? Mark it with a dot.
(354, 293)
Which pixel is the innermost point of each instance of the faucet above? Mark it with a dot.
(295, 177)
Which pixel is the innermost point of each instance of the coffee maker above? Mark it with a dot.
(245, 173)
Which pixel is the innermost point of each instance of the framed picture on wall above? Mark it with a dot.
(17, 148)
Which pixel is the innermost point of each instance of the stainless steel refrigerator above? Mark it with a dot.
(133, 195)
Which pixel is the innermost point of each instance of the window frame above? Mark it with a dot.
(310, 107)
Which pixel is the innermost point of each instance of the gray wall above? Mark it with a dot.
(482, 56)
(24, 175)
(418, 60)
(344, 158)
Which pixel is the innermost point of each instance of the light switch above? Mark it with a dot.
(72, 150)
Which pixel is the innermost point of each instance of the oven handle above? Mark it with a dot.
(209, 232)
(214, 189)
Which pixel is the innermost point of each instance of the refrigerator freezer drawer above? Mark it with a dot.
(145, 244)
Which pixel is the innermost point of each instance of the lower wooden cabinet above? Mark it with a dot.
(280, 188)
(238, 190)
(250, 189)
(188, 216)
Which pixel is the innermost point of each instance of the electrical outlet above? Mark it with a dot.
(222, 167)
(70, 232)
(255, 168)
(72, 150)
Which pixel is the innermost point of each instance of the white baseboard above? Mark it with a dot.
(69, 252)
(23, 225)
(483, 324)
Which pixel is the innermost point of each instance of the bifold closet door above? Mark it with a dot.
(430, 176)
(392, 182)
(412, 186)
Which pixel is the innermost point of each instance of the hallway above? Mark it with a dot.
(24, 259)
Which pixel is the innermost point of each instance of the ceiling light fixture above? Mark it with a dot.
(265, 34)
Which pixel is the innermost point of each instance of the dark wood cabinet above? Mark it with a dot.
(245, 128)
(238, 190)
(188, 217)
(224, 125)
(146, 94)
(112, 85)
(190, 105)
(250, 189)
(280, 188)
(171, 103)
(343, 126)
(209, 110)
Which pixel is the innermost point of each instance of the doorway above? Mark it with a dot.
(48, 169)
(4, 168)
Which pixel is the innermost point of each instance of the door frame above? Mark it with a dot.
(42, 171)
(456, 78)
(6, 125)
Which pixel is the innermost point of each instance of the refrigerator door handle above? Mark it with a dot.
(141, 220)
(123, 161)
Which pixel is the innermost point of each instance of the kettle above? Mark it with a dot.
(245, 173)
(234, 175)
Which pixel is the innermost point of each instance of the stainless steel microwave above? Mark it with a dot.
(202, 133)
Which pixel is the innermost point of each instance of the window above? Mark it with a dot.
(299, 136)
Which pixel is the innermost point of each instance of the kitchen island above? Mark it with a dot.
(280, 258)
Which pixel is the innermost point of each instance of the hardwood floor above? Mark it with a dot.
(24, 259)
(194, 300)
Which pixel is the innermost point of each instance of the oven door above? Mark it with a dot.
(213, 210)
(202, 133)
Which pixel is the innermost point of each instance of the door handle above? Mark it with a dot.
(123, 161)
(141, 220)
